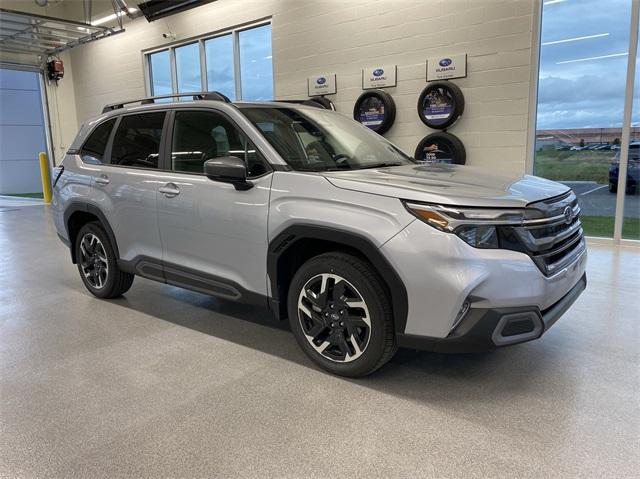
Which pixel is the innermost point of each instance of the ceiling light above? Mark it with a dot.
(111, 17)
(593, 58)
(576, 39)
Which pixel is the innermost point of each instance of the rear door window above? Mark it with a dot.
(93, 149)
(137, 140)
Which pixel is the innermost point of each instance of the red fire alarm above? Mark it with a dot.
(55, 69)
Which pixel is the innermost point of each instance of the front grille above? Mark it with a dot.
(552, 241)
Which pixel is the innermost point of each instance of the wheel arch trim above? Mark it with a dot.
(84, 207)
(295, 233)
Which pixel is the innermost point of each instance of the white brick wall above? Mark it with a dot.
(311, 37)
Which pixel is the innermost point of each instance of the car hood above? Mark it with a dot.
(448, 184)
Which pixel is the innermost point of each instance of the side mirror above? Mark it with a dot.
(228, 169)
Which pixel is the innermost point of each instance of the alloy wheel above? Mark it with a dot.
(93, 261)
(334, 317)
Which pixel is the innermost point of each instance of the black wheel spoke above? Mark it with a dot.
(356, 322)
(317, 300)
(338, 290)
(341, 342)
(318, 326)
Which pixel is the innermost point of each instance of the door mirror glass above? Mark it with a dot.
(228, 169)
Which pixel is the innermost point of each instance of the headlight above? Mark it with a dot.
(479, 236)
(475, 226)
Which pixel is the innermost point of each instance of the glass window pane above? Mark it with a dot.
(255, 63)
(137, 140)
(160, 73)
(219, 54)
(581, 102)
(93, 149)
(188, 69)
(199, 136)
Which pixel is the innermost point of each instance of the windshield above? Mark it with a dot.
(634, 153)
(320, 140)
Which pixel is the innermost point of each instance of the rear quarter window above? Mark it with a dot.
(93, 149)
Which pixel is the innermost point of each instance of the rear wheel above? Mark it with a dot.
(340, 314)
(97, 263)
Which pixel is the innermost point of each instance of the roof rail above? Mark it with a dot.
(202, 95)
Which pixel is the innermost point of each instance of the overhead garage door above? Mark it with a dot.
(22, 131)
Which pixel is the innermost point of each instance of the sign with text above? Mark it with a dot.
(446, 67)
(322, 84)
(379, 77)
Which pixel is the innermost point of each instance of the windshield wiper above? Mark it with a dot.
(379, 165)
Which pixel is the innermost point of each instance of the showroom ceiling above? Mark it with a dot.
(32, 34)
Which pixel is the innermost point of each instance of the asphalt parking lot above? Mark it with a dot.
(595, 199)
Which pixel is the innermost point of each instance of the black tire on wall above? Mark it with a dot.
(376, 110)
(324, 102)
(441, 147)
(440, 104)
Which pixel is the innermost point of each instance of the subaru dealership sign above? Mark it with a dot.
(324, 84)
(379, 77)
(447, 66)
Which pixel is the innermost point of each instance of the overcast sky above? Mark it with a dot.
(590, 92)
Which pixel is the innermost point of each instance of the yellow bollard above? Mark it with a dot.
(44, 174)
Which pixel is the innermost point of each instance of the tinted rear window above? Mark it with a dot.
(137, 140)
(93, 149)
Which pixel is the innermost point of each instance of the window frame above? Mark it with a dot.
(168, 142)
(200, 40)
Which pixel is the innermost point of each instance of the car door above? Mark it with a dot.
(214, 236)
(125, 187)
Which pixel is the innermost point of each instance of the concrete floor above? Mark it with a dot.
(169, 383)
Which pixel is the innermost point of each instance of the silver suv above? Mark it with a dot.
(326, 223)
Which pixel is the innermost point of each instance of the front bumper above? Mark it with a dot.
(441, 273)
(487, 329)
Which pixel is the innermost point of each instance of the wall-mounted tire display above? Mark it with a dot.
(324, 102)
(376, 110)
(441, 147)
(440, 104)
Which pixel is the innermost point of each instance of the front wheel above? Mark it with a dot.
(340, 314)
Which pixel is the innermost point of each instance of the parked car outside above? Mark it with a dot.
(633, 170)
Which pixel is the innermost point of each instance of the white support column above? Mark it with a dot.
(174, 72)
(203, 66)
(626, 122)
(536, 29)
(236, 65)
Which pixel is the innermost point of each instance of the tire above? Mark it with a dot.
(365, 340)
(371, 101)
(322, 101)
(103, 282)
(613, 187)
(448, 149)
(455, 97)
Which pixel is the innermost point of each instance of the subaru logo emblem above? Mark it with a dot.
(321, 81)
(378, 72)
(568, 214)
(445, 62)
